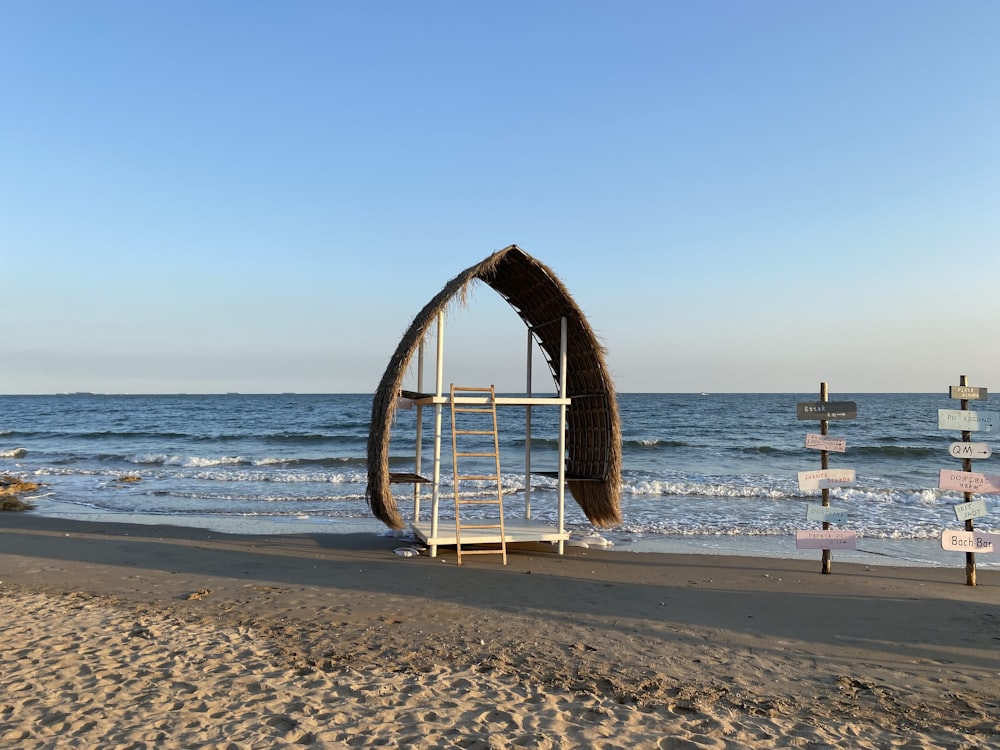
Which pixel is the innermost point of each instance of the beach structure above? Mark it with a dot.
(589, 429)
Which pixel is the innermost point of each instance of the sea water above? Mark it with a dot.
(701, 472)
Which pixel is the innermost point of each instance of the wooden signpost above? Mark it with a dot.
(967, 481)
(824, 410)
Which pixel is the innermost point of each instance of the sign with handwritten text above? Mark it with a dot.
(827, 410)
(968, 393)
(967, 420)
(826, 443)
(831, 539)
(968, 481)
(826, 478)
(970, 450)
(826, 514)
(969, 541)
(970, 510)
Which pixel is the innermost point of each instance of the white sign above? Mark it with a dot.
(968, 481)
(826, 443)
(969, 541)
(973, 509)
(825, 513)
(965, 419)
(825, 478)
(970, 450)
(832, 539)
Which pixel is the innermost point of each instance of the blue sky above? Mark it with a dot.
(258, 197)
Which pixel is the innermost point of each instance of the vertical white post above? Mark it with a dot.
(420, 433)
(438, 384)
(527, 438)
(562, 434)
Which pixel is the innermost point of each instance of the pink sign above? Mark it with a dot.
(832, 539)
(968, 481)
(969, 541)
(826, 443)
(822, 479)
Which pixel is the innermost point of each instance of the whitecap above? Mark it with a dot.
(197, 461)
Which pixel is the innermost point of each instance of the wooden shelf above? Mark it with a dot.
(568, 477)
(429, 400)
(515, 530)
(407, 478)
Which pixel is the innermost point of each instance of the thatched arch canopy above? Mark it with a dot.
(593, 431)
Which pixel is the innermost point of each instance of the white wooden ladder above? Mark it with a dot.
(472, 417)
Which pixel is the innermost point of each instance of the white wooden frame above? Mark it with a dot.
(527, 530)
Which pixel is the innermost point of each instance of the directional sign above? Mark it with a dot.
(968, 481)
(825, 513)
(966, 419)
(970, 450)
(826, 478)
(969, 541)
(827, 410)
(974, 509)
(832, 539)
(826, 443)
(968, 393)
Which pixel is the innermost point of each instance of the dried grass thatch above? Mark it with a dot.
(593, 432)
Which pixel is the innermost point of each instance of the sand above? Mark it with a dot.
(134, 636)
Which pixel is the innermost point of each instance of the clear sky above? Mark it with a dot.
(202, 196)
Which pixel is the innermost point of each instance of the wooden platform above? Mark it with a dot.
(517, 530)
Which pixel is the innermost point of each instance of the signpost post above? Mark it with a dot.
(824, 410)
(966, 481)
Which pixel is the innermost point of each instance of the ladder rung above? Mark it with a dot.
(497, 551)
(473, 432)
(480, 477)
(478, 502)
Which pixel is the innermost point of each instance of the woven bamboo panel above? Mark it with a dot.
(593, 431)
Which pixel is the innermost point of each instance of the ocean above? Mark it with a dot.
(705, 473)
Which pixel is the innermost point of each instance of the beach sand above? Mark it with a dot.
(136, 636)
